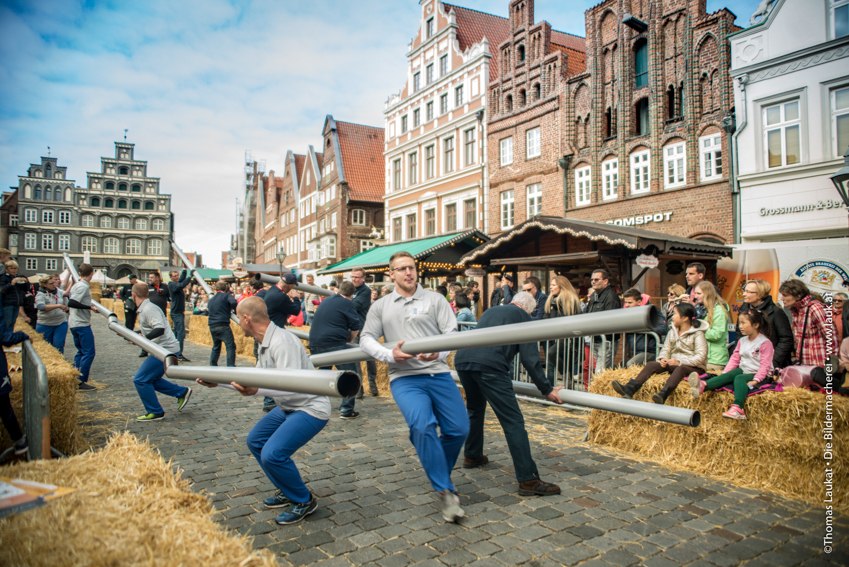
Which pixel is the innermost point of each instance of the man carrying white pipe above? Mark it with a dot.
(79, 321)
(178, 304)
(295, 420)
(149, 378)
(421, 385)
(485, 374)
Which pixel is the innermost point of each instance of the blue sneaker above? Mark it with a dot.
(297, 512)
(276, 501)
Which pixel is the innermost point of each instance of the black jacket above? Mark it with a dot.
(780, 332)
(362, 301)
(603, 300)
(280, 306)
(499, 359)
(220, 306)
(159, 297)
(178, 296)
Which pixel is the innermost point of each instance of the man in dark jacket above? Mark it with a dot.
(362, 303)
(485, 373)
(221, 306)
(178, 305)
(603, 298)
(129, 303)
(336, 322)
(533, 286)
(278, 302)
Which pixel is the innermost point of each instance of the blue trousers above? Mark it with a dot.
(10, 315)
(426, 401)
(347, 405)
(222, 333)
(148, 380)
(84, 341)
(179, 320)
(55, 335)
(273, 441)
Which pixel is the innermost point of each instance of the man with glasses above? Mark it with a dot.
(603, 298)
(362, 303)
(421, 385)
(533, 286)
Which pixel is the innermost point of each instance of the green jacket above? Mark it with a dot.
(717, 337)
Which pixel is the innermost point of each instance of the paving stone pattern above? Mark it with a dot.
(376, 507)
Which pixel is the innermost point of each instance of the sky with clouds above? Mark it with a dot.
(197, 83)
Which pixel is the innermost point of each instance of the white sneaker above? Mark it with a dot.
(696, 385)
(451, 510)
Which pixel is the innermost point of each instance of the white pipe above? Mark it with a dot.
(318, 382)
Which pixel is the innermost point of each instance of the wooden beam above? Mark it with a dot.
(582, 257)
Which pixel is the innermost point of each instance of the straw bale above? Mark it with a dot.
(779, 448)
(62, 382)
(127, 508)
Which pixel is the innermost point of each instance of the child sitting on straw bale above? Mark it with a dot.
(683, 352)
(750, 364)
(7, 414)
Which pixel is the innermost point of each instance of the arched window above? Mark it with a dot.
(608, 123)
(149, 205)
(57, 194)
(87, 220)
(154, 247)
(521, 52)
(136, 188)
(641, 64)
(141, 224)
(111, 245)
(109, 185)
(537, 91)
(158, 224)
(523, 97)
(122, 187)
(123, 170)
(95, 201)
(68, 194)
(641, 117)
(681, 104)
(123, 223)
(135, 205)
(88, 243)
(133, 246)
(122, 203)
(108, 203)
(508, 103)
(37, 194)
(105, 222)
(670, 102)
(27, 191)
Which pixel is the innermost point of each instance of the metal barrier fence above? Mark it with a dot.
(36, 396)
(571, 363)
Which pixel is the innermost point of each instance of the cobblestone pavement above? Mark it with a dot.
(376, 507)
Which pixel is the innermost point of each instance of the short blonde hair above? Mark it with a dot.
(10, 264)
(762, 286)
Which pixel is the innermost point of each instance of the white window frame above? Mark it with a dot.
(30, 241)
(64, 217)
(534, 199)
(46, 241)
(47, 216)
(839, 149)
(87, 221)
(122, 223)
(430, 161)
(367, 245)
(154, 247)
(51, 265)
(583, 185)
(533, 147)
(782, 126)
(470, 146)
(674, 165)
(88, 244)
(64, 242)
(609, 179)
(710, 157)
(159, 224)
(31, 265)
(111, 245)
(506, 151)
(133, 247)
(456, 226)
(140, 224)
(358, 217)
(30, 216)
(425, 212)
(413, 168)
(835, 5)
(508, 210)
(449, 149)
(640, 170)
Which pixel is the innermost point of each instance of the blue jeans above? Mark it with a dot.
(347, 405)
(222, 333)
(10, 315)
(179, 320)
(497, 389)
(84, 341)
(426, 401)
(273, 441)
(55, 335)
(148, 380)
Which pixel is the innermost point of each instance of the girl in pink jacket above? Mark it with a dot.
(750, 364)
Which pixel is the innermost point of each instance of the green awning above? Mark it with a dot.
(214, 274)
(434, 253)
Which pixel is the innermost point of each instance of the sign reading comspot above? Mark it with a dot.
(638, 220)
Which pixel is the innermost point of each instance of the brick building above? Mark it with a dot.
(526, 123)
(641, 138)
(436, 127)
(287, 207)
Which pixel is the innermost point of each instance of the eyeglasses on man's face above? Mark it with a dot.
(594, 280)
(402, 269)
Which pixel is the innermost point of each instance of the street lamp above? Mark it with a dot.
(281, 255)
(841, 179)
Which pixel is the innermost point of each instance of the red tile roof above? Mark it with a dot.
(473, 26)
(575, 42)
(362, 160)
